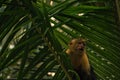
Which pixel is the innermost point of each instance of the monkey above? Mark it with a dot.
(79, 59)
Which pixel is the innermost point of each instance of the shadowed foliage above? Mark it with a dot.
(34, 35)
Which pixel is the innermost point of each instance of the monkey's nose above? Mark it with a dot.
(80, 47)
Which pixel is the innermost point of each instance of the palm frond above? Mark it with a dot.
(34, 36)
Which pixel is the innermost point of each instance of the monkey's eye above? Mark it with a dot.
(79, 42)
(83, 43)
(70, 43)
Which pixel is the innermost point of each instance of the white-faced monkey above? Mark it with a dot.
(79, 59)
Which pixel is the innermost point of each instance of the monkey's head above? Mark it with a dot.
(77, 45)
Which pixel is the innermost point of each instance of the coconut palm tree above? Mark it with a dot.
(34, 36)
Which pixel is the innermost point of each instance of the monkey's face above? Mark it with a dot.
(77, 45)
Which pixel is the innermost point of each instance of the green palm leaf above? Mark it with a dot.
(34, 35)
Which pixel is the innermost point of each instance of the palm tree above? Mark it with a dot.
(34, 36)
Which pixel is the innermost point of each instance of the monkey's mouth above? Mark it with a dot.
(80, 48)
